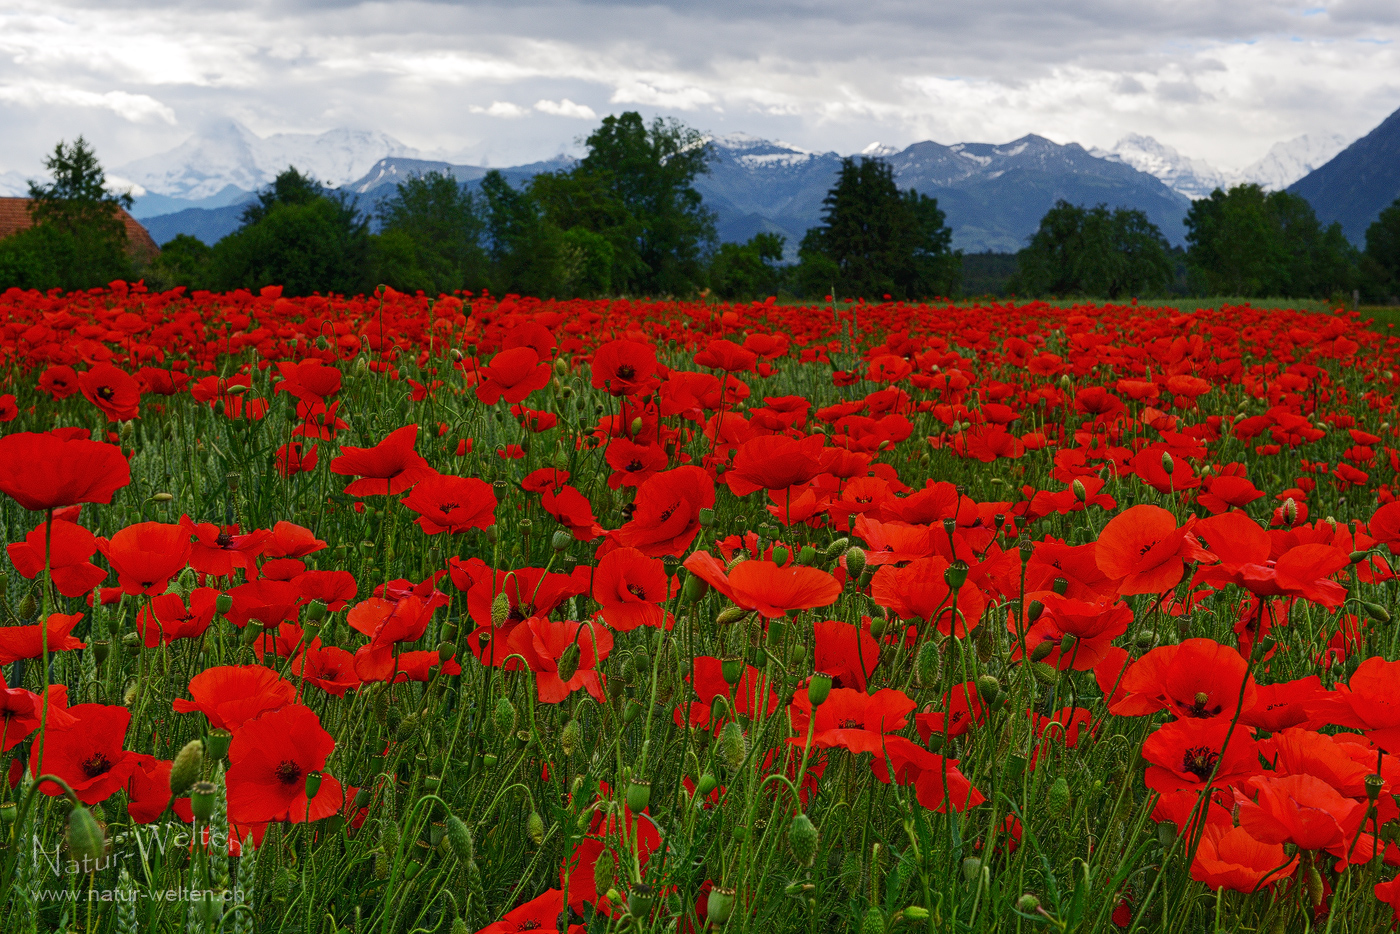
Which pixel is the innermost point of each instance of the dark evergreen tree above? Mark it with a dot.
(1094, 252)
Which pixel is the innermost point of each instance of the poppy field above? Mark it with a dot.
(391, 614)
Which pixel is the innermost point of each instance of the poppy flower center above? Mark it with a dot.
(633, 467)
(521, 611)
(1198, 708)
(669, 511)
(224, 540)
(1148, 546)
(96, 764)
(626, 371)
(105, 392)
(1200, 761)
(288, 772)
(448, 507)
(531, 925)
(637, 590)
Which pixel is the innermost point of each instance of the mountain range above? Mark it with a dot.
(993, 195)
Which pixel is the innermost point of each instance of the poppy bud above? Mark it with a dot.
(86, 843)
(837, 547)
(491, 534)
(694, 589)
(730, 615)
(705, 785)
(604, 871)
(202, 800)
(1034, 609)
(855, 561)
(1315, 888)
(1377, 612)
(1045, 674)
(878, 625)
(1027, 903)
(570, 737)
(1146, 639)
(971, 868)
(534, 827)
(989, 688)
(731, 745)
(781, 555)
(719, 906)
(638, 795)
(807, 556)
(223, 603)
(28, 606)
(1058, 798)
(568, 662)
(185, 769)
(505, 716)
(1168, 464)
(161, 497)
(819, 688)
(955, 575)
(803, 839)
(1042, 649)
(560, 540)
(927, 665)
(1290, 511)
(630, 712)
(1080, 493)
(500, 609)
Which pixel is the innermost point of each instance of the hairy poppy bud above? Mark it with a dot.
(731, 745)
(803, 839)
(202, 800)
(1045, 674)
(28, 606)
(855, 561)
(505, 716)
(730, 615)
(534, 827)
(216, 744)
(604, 871)
(819, 688)
(719, 906)
(571, 736)
(1377, 612)
(184, 771)
(500, 609)
(86, 843)
(1042, 649)
(1080, 493)
(989, 688)
(1058, 798)
(1027, 903)
(927, 665)
(694, 589)
(638, 795)
(705, 785)
(568, 662)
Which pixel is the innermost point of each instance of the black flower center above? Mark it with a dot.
(105, 392)
(1200, 761)
(448, 507)
(96, 764)
(637, 590)
(288, 772)
(626, 371)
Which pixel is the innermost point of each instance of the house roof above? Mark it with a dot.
(14, 217)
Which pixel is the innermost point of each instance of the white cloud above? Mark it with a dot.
(658, 94)
(500, 109)
(134, 107)
(566, 108)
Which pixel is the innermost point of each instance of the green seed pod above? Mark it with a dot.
(640, 899)
(694, 589)
(534, 827)
(568, 662)
(803, 839)
(223, 603)
(781, 554)
(807, 556)
(1058, 798)
(855, 562)
(819, 688)
(731, 745)
(955, 575)
(707, 518)
(505, 716)
(184, 771)
(971, 868)
(926, 666)
(638, 795)
(560, 540)
(86, 843)
(202, 796)
(459, 838)
(604, 871)
(719, 906)
(732, 670)
(313, 784)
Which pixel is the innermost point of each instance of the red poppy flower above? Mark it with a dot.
(294, 457)
(389, 621)
(21, 713)
(445, 503)
(1284, 704)
(269, 602)
(114, 391)
(885, 711)
(846, 653)
(43, 471)
(18, 642)
(774, 462)
(309, 380)
(9, 408)
(218, 550)
(292, 541)
(59, 381)
(666, 513)
(1144, 551)
(1198, 679)
(1370, 701)
(766, 588)
(229, 695)
(726, 355)
(1300, 809)
(70, 547)
(391, 466)
(146, 555)
(630, 588)
(1385, 526)
(1223, 493)
(1243, 550)
(330, 668)
(269, 759)
(962, 709)
(920, 590)
(88, 753)
(1188, 754)
(1079, 631)
(1229, 858)
(622, 367)
(333, 588)
(512, 374)
(379, 663)
(750, 693)
(632, 463)
(571, 509)
(542, 643)
(173, 620)
(578, 876)
(1065, 728)
(539, 915)
(148, 789)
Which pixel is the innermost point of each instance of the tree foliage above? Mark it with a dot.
(1253, 243)
(1094, 252)
(1380, 264)
(876, 240)
(430, 237)
(748, 270)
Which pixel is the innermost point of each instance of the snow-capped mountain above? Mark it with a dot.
(1285, 163)
(1194, 178)
(879, 150)
(755, 153)
(228, 153)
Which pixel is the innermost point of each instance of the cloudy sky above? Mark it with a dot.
(509, 82)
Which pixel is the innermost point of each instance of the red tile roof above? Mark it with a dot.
(14, 217)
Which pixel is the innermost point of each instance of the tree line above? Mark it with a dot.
(626, 219)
